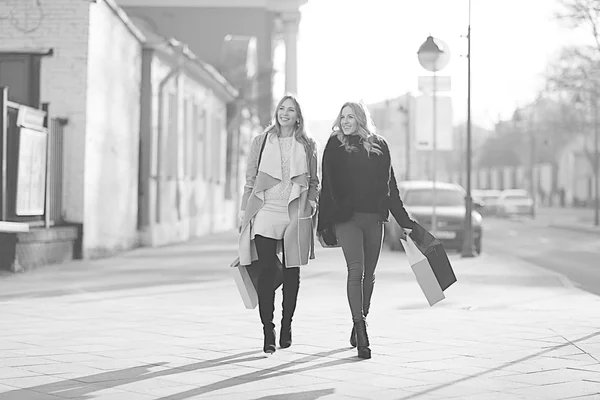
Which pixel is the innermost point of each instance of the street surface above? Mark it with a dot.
(573, 253)
(168, 323)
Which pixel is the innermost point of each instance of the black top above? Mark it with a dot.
(358, 182)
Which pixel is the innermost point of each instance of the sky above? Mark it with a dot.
(367, 50)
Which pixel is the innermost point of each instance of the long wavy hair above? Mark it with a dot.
(365, 130)
(300, 133)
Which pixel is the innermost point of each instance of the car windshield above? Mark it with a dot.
(424, 197)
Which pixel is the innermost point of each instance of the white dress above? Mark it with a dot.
(273, 218)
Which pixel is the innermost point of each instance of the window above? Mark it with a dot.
(21, 73)
(188, 142)
(195, 141)
(171, 161)
(204, 151)
(217, 148)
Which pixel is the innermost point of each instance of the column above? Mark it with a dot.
(291, 22)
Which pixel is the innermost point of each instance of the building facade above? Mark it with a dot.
(205, 24)
(90, 80)
(146, 124)
(184, 148)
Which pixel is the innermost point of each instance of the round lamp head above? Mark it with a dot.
(433, 54)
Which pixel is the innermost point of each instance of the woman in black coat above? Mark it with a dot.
(358, 192)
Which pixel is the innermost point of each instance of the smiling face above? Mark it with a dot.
(287, 114)
(348, 121)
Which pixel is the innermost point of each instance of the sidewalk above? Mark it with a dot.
(168, 323)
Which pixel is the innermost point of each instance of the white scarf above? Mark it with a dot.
(270, 162)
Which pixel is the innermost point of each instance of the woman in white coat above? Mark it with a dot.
(277, 213)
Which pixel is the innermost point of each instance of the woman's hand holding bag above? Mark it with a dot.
(327, 237)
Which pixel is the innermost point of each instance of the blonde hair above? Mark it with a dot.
(300, 133)
(365, 130)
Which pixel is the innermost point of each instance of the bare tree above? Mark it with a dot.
(578, 72)
(575, 73)
(584, 14)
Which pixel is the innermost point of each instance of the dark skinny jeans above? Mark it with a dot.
(361, 239)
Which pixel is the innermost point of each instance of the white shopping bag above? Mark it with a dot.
(423, 272)
(244, 284)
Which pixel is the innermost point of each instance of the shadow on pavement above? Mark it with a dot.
(272, 372)
(308, 395)
(520, 360)
(83, 387)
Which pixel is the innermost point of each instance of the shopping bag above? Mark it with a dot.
(328, 237)
(433, 249)
(423, 272)
(246, 279)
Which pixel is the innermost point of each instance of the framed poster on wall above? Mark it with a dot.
(31, 171)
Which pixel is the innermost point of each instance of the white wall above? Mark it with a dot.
(188, 202)
(112, 134)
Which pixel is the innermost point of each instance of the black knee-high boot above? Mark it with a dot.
(266, 249)
(266, 306)
(291, 285)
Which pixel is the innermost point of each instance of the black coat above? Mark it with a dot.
(378, 180)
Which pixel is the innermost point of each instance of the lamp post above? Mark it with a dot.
(467, 249)
(434, 56)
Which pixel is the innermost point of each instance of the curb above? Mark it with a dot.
(558, 225)
(582, 229)
(563, 279)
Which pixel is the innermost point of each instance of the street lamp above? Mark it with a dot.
(434, 56)
(467, 249)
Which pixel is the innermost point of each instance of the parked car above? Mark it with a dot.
(515, 202)
(488, 199)
(450, 213)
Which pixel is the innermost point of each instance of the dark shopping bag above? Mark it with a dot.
(328, 237)
(246, 280)
(433, 249)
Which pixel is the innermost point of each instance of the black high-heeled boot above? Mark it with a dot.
(285, 336)
(353, 333)
(362, 339)
(291, 285)
(269, 341)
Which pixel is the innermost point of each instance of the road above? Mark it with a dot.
(574, 254)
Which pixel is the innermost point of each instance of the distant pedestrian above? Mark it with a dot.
(277, 212)
(359, 190)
